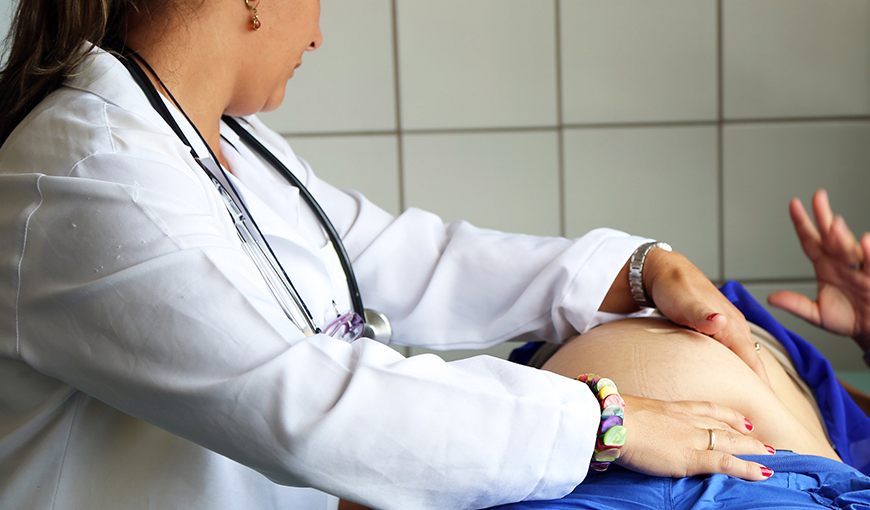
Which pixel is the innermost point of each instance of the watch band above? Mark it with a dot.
(635, 272)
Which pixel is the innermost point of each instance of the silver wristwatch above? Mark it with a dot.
(635, 273)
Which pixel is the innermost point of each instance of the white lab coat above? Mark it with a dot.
(144, 364)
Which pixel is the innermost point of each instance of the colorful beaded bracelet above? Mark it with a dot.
(611, 432)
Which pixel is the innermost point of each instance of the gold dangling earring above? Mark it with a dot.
(255, 20)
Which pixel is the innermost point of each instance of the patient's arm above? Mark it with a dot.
(842, 266)
(656, 359)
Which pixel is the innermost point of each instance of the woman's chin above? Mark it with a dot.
(270, 107)
(251, 109)
(273, 102)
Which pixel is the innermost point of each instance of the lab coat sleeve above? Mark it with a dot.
(124, 280)
(456, 286)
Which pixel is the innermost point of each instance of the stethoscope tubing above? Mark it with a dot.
(255, 145)
(125, 56)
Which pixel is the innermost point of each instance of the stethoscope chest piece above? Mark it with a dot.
(378, 327)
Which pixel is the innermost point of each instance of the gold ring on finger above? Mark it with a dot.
(758, 347)
(712, 439)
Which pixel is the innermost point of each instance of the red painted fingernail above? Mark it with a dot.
(766, 472)
(712, 316)
(749, 425)
(770, 448)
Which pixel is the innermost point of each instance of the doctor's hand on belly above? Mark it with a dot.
(686, 296)
(672, 439)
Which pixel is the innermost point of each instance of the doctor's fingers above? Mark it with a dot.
(686, 296)
(709, 415)
(705, 462)
(727, 325)
(711, 439)
(665, 438)
(713, 449)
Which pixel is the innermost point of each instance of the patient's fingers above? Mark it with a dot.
(841, 243)
(865, 247)
(833, 239)
(796, 304)
(810, 239)
(822, 211)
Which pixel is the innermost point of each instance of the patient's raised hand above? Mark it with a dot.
(842, 266)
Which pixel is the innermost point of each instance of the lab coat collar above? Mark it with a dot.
(103, 75)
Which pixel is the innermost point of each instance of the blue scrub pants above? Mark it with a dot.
(798, 482)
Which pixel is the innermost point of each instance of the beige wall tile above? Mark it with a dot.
(477, 63)
(366, 163)
(6, 12)
(765, 166)
(348, 84)
(504, 181)
(800, 58)
(632, 60)
(655, 182)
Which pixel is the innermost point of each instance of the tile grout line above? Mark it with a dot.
(398, 104)
(615, 125)
(720, 150)
(797, 120)
(406, 351)
(560, 134)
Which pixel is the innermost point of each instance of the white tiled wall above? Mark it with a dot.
(476, 64)
(768, 164)
(691, 121)
(638, 61)
(670, 171)
(5, 22)
(505, 181)
(799, 58)
(349, 83)
(368, 164)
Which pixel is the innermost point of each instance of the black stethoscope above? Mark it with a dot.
(351, 325)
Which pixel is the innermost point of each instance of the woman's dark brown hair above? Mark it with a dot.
(49, 38)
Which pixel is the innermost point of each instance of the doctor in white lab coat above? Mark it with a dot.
(145, 364)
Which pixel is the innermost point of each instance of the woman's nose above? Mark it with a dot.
(318, 40)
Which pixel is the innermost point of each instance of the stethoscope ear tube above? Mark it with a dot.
(377, 326)
(255, 145)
